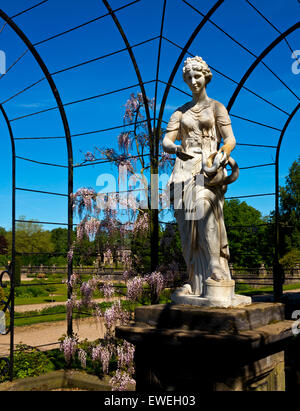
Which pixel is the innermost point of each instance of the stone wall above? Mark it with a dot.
(253, 276)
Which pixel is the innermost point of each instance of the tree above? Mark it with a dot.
(170, 249)
(290, 259)
(3, 241)
(247, 234)
(289, 210)
(59, 239)
(3, 247)
(32, 240)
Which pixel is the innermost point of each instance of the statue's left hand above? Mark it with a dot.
(226, 149)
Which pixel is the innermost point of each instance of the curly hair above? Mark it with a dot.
(199, 64)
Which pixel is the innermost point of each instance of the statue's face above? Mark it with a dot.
(195, 79)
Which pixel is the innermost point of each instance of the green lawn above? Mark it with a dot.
(246, 289)
(58, 313)
(37, 294)
(44, 292)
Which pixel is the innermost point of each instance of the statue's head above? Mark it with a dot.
(197, 64)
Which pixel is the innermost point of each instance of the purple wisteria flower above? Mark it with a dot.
(102, 353)
(124, 141)
(69, 307)
(165, 160)
(125, 355)
(108, 290)
(69, 348)
(116, 315)
(80, 231)
(156, 282)
(82, 355)
(135, 288)
(70, 255)
(84, 199)
(74, 279)
(121, 380)
(88, 156)
(90, 227)
(131, 107)
(126, 260)
(86, 293)
(142, 224)
(126, 275)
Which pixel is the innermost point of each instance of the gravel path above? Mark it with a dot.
(35, 307)
(46, 335)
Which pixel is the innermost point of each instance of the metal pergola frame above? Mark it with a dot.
(154, 132)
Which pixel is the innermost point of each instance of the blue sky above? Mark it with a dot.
(141, 21)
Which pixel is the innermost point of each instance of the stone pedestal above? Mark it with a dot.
(200, 349)
(218, 294)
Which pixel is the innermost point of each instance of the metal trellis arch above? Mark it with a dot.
(154, 129)
(63, 116)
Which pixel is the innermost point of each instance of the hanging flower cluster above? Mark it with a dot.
(82, 356)
(108, 290)
(84, 200)
(69, 348)
(156, 282)
(70, 255)
(89, 227)
(124, 141)
(102, 353)
(125, 354)
(135, 288)
(142, 224)
(121, 380)
(165, 161)
(115, 315)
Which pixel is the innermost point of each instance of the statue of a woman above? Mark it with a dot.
(200, 125)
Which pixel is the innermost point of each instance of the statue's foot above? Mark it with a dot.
(219, 276)
(186, 289)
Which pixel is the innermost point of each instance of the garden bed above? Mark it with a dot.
(59, 380)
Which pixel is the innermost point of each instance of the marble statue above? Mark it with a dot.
(197, 185)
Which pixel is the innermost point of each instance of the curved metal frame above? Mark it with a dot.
(181, 57)
(11, 272)
(153, 152)
(257, 61)
(63, 116)
(278, 272)
(7, 303)
(154, 136)
(278, 277)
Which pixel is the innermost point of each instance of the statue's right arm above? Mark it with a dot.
(168, 143)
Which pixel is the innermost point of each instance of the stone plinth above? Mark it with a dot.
(199, 349)
(218, 294)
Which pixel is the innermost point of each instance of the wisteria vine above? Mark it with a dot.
(99, 213)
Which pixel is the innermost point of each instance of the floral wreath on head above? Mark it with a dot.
(200, 64)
